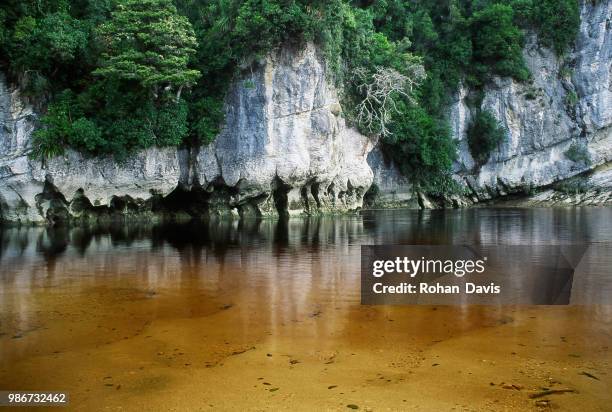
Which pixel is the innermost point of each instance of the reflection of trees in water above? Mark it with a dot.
(296, 235)
(431, 227)
(4, 243)
(490, 226)
(217, 235)
(52, 241)
(409, 226)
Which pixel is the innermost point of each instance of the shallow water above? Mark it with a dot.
(265, 315)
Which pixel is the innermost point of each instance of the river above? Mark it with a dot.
(266, 315)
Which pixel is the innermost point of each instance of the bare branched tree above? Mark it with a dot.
(380, 92)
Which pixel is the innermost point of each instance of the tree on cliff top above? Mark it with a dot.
(148, 42)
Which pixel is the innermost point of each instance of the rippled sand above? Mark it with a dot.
(254, 323)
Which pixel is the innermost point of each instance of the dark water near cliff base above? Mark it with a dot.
(265, 315)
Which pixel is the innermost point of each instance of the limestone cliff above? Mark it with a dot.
(284, 148)
(569, 103)
(286, 143)
(31, 189)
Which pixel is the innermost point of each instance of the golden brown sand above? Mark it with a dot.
(136, 330)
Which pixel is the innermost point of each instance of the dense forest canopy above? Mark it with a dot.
(121, 75)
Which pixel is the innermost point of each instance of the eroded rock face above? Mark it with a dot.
(37, 191)
(390, 189)
(285, 144)
(33, 190)
(568, 103)
(16, 126)
(593, 188)
(284, 147)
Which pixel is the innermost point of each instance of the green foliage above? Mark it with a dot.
(271, 21)
(116, 132)
(571, 99)
(565, 72)
(43, 44)
(484, 136)
(64, 125)
(57, 132)
(578, 153)
(171, 127)
(440, 34)
(206, 127)
(46, 144)
(148, 42)
(558, 22)
(85, 134)
(497, 43)
(147, 125)
(422, 146)
(4, 33)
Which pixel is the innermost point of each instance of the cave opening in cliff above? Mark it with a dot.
(280, 195)
(192, 201)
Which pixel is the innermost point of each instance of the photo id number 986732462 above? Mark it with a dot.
(13, 398)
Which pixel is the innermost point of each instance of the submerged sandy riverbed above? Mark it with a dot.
(268, 318)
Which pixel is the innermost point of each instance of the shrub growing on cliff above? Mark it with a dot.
(423, 148)
(171, 126)
(64, 125)
(46, 142)
(578, 153)
(497, 43)
(558, 22)
(51, 139)
(484, 136)
(118, 133)
(209, 115)
(85, 135)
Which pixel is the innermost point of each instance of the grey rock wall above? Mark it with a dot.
(568, 103)
(590, 189)
(285, 136)
(391, 189)
(284, 146)
(23, 181)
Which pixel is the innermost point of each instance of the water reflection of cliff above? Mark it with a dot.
(295, 264)
(469, 226)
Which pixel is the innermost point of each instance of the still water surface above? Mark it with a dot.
(265, 315)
